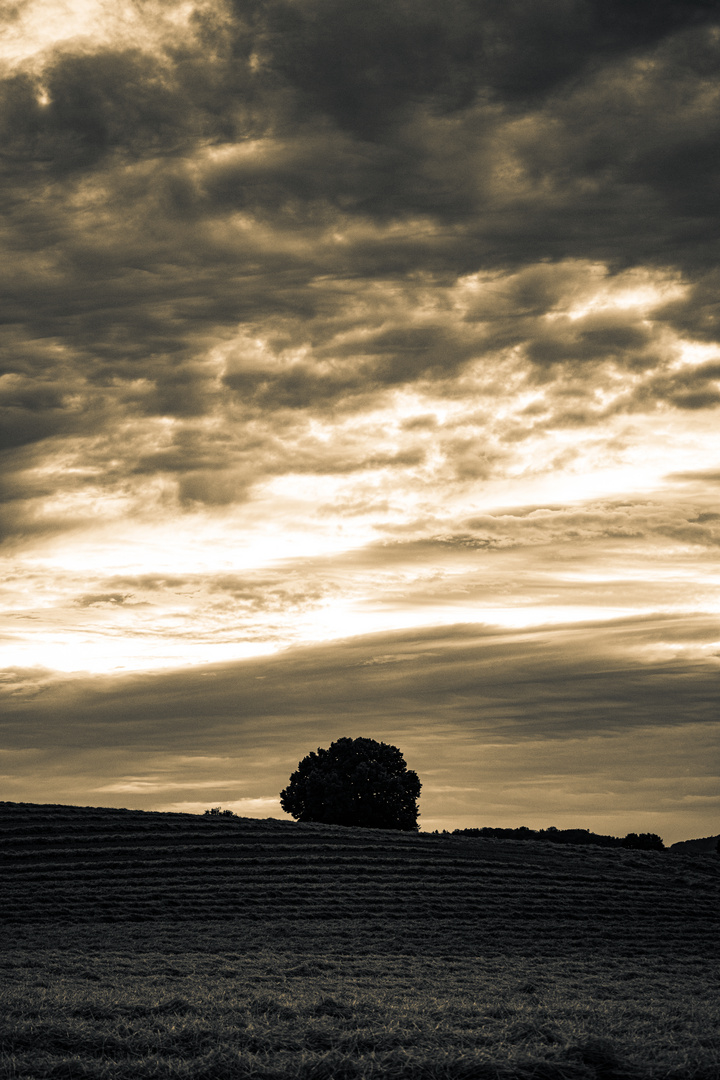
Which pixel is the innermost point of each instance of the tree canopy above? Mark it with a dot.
(354, 782)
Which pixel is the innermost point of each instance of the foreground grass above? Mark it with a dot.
(141, 946)
(130, 1014)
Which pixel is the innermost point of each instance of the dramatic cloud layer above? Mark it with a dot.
(324, 319)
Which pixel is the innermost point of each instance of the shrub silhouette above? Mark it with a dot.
(354, 782)
(646, 841)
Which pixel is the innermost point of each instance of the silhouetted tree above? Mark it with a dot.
(217, 812)
(354, 782)
(646, 841)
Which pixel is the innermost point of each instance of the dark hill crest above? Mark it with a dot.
(79, 865)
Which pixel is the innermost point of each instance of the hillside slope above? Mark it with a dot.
(77, 866)
(706, 845)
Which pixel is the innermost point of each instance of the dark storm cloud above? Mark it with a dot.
(599, 336)
(31, 412)
(698, 313)
(565, 97)
(366, 67)
(267, 171)
(85, 107)
(633, 146)
(83, 104)
(363, 64)
(360, 361)
(697, 388)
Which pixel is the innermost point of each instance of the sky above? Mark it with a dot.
(361, 377)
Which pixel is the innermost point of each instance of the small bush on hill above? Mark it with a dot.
(645, 841)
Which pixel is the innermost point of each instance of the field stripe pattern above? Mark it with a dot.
(74, 865)
(149, 946)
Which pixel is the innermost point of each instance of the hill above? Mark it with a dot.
(151, 946)
(705, 846)
(64, 865)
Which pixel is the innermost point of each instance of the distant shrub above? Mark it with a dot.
(645, 841)
(217, 812)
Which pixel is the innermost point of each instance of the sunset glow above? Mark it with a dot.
(305, 359)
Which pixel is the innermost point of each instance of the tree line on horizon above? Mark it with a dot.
(633, 841)
(367, 784)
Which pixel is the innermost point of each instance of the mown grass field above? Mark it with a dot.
(140, 945)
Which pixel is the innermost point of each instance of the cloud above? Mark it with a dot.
(708, 475)
(515, 684)
(102, 599)
(365, 66)
(696, 313)
(521, 566)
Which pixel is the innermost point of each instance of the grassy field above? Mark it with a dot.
(166, 945)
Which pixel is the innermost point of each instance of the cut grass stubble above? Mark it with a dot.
(141, 946)
(216, 1016)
